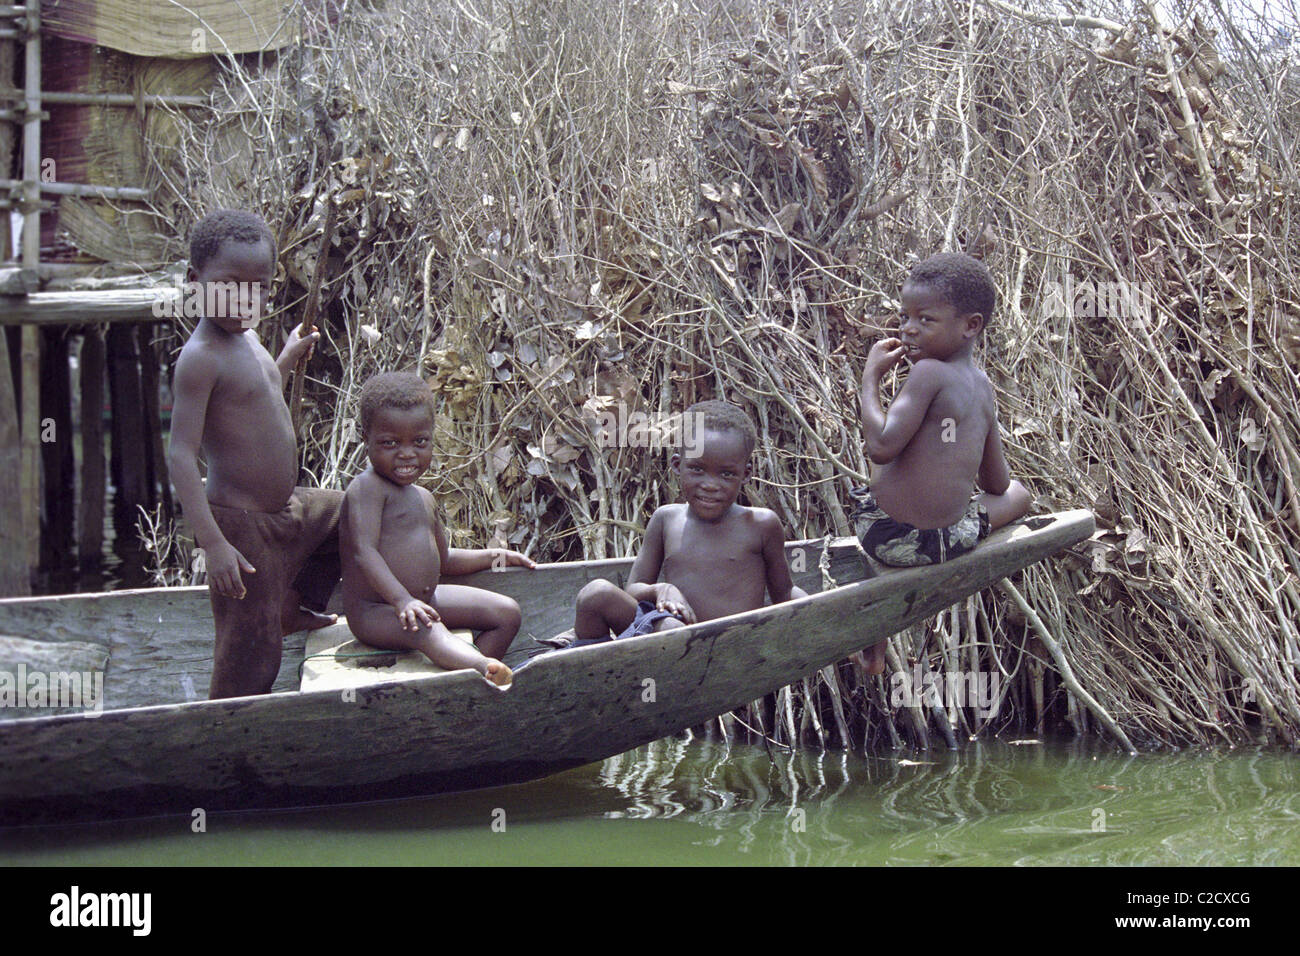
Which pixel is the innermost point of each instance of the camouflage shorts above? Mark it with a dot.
(901, 545)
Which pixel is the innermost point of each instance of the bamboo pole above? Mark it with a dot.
(81, 189)
(14, 578)
(30, 371)
(110, 99)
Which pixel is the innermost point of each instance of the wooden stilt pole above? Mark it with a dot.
(128, 438)
(159, 481)
(90, 542)
(56, 453)
(14, 579)
(14, 570)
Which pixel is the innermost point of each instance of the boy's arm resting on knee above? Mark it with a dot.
(887, 434)
(780, 583)
(643, 582)
(192, 388)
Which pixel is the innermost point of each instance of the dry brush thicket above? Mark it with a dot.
(556, 207)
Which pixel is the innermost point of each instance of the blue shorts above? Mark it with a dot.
(647, 616)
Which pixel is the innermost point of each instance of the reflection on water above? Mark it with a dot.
(687, 801)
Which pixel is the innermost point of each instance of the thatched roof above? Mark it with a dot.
(191, 29)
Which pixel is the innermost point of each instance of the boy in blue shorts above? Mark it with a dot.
(703, 558)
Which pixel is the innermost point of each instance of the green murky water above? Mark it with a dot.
(690, 802)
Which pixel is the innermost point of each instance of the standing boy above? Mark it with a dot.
(395, 550)
(940, 436)
(715, 557)
(256, 529)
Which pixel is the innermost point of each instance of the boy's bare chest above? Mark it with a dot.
(700, 549)
(248, 380)
(406, 517)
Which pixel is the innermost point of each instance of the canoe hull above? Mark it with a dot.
(453, 731)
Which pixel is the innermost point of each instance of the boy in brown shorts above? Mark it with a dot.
(940, 437)
(256, 528)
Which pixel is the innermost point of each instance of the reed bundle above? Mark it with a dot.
(555, 209)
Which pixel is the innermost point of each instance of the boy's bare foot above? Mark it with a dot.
(498, 673)
(301, 619)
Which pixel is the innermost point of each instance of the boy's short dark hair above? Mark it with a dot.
(963, 280)
(399, 390)
(218, 226)
(724, 417)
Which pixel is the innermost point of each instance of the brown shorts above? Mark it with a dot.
(297, 546)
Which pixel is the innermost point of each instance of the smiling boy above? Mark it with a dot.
(940, 436)
(715, 557)
(256, 528)
(395, 550)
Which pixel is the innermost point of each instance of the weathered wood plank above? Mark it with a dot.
(86, 307)
(454, 731)
(15, 280)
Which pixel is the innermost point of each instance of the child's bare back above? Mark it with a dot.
(929, 483)
(940, 435)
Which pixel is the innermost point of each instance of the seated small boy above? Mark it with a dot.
(267, 543)
(940, 436)
(394, 548)
(716, 557)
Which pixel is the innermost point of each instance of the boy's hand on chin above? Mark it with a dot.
(883, 356)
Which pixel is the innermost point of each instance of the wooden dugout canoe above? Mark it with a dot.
(153, 751)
